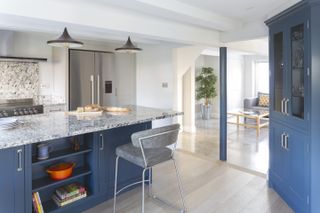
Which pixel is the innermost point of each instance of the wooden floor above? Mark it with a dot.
(245, 149)
(209, 186)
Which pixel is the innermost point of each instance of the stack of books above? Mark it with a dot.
(37, 205)
(69, 194)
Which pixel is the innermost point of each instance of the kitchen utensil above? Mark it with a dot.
(43, 151)
(61, 171)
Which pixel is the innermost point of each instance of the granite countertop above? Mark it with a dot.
(49, 126)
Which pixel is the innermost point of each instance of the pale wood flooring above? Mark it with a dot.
(209, 186)
(245, 149)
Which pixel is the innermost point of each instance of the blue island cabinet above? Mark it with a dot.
(22, 173)
(12, 185)
(108, 141)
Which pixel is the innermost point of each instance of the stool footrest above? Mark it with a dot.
(167, 203)
(130, 185)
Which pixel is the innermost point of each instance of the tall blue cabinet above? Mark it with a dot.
(294, 51)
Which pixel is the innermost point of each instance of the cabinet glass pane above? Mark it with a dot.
(278, 70)
(297, 69)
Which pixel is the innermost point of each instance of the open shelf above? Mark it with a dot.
(46, 182)
(51, 206)
(60, 154)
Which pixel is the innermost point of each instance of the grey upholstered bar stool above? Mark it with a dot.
(149, 148)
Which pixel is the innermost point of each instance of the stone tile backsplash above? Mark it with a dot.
(19, 80)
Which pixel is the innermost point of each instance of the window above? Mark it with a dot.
(262, 76)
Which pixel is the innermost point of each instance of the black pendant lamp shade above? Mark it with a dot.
(65, 40)
(129, 47)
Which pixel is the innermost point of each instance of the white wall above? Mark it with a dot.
(189, 100)
(155, 67)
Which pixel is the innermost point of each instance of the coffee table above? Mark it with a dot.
(259, 116)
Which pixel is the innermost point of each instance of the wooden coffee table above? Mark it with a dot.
(257, 115)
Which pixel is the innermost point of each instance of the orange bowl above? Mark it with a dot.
(60, 171)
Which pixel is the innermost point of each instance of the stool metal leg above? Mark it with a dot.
(143, 182)
(180, 186)
(115, 185)
(150, 183)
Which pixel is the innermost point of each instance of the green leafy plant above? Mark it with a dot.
(206, 82)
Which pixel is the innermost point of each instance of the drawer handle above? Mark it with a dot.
(19, 152)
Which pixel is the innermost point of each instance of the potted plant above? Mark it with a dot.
(206, 90)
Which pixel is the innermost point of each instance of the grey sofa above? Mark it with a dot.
(252, 103)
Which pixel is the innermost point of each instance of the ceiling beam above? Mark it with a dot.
(52, 16)
(179, 11)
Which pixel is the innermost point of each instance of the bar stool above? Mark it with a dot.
(149, 148)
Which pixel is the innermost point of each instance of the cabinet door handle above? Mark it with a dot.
(19, 152)
(286, 141)
(286, 106)
(282, 105)
(282, 140)
(101, 142)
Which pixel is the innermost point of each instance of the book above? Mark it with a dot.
(34, 202)
(39, 203)
(70, 200)
(69, 190)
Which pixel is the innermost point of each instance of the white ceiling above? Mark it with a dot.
(245, 10)
(181, 22)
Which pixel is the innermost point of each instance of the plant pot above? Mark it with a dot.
(205, 111)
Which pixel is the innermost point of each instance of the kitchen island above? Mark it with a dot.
(97, 138)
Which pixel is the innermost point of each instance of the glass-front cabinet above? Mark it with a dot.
(289, 70)
(278, 66)
(298, 69)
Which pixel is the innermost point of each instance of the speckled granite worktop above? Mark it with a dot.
(49, 126)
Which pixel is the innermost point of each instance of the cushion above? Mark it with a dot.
(134, 155)
(263, 100)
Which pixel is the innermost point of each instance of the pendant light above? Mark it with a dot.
(129, 47)
(65, 40)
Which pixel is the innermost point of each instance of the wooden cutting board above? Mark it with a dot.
(97, 113)
(117, 109)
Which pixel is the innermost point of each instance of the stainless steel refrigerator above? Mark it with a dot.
(91, 78)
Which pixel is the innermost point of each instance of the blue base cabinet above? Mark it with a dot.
(108, 142)
(12, 187)
(289, 170)
(294, 51)
(22, 173)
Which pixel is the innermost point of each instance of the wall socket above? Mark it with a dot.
(164, 85)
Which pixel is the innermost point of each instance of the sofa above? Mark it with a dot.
(253, 103)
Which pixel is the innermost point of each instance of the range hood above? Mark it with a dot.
(7, 49)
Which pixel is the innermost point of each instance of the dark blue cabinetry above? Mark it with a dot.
(22, 173)
(290, 68)
(108, 142)
(290, 105)
(289, 169)
(12, 187)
